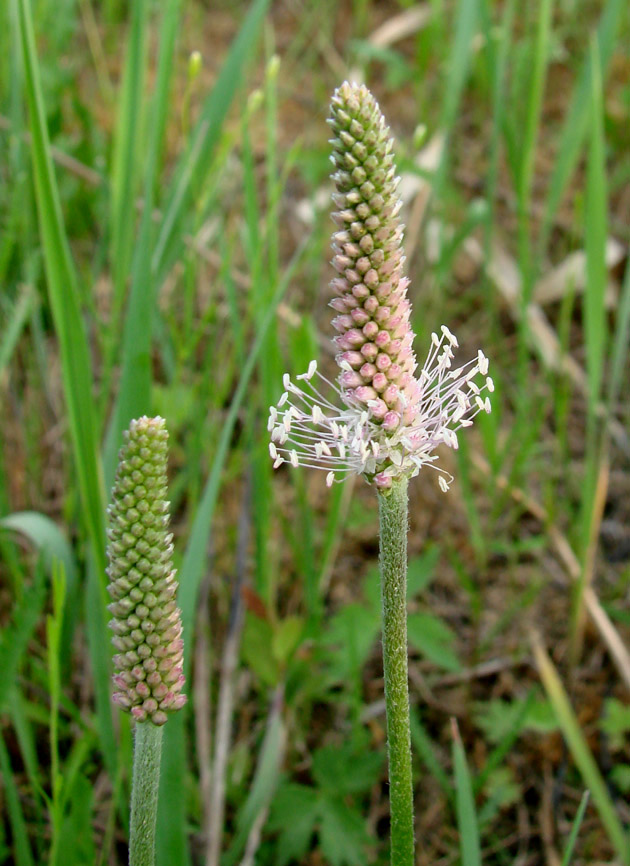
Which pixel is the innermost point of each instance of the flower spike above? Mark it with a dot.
(146, 621)
(379, 420)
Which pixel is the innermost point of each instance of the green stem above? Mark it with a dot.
(393, 562)
(144, 793)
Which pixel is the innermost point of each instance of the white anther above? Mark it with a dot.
(443, 483)
(450, 337)
(329, 479)
(490, 384)
(273, 451)
(283, 399)
(483, 363)
(293, 456)
(317, 416)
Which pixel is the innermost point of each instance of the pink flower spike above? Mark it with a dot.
(379, 420)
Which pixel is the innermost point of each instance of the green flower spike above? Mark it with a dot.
(146, 621)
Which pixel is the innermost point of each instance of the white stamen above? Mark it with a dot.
(326, 434)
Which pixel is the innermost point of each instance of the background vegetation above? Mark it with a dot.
(163, 249)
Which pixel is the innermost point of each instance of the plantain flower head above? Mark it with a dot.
(146, 621)
(380, 419)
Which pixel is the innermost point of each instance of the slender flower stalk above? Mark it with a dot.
(380, 419)
(392, 508)
(146, 621)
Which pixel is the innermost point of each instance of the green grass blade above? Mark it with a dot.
(53, 646)
(581, 753)
(595, 331)
(465, 805)
(127, 160)
(75, 356)
(621, 339)
(425, 748)
(527, 155)
(575, 829)
(458, 66)
(21, 846)
(64, 299)
(134, 395)
(577, 119)
(16, 321)
(194, 164)
(534, 102)
(171, 836)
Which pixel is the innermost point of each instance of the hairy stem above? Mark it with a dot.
(144, 793)
(393, 563)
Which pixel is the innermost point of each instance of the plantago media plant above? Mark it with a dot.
(146, 621)
(380, 420)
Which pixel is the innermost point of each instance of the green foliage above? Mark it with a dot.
(430, 636)
(163, 247)
(498, 718)
(330, 810)
(615, 723)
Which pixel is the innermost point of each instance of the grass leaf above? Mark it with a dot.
(75, 356)
(580, 751)
(465, 805)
